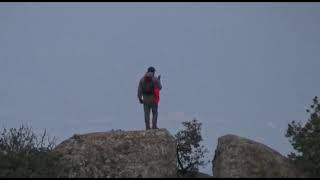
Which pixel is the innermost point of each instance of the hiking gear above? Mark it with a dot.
(156, 95)
(148, 85)
(145, 97)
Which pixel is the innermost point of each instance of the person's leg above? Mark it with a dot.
(154, 116)
(147, 115)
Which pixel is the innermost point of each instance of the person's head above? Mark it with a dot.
(151, 69)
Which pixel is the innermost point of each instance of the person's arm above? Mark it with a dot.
(159, 82)
(140, 91)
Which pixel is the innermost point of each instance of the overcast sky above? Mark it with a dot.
(239, 68)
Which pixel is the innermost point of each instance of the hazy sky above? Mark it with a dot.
(239, 68)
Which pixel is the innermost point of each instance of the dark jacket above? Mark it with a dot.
(148, 99)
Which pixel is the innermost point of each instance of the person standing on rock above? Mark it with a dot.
(149, 95)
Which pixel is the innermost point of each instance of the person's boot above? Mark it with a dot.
(147, 125)
(154, 124)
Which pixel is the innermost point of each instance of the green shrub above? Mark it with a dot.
(305, 139)
(24, 154)
(190, 152)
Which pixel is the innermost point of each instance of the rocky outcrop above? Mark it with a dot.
(119, 154)
(195, 175)
(238, 157)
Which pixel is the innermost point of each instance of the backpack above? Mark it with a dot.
(148, 85)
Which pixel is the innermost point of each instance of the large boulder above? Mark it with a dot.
(238, 157)
(119, 154)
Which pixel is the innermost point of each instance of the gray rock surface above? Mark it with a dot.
(119, 154)
(237, 157)
(196, 175)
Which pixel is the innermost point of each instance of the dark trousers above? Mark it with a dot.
(147, 109)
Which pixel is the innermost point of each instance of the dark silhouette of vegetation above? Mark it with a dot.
(24, 154)
(306, 141)
(190, 153)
